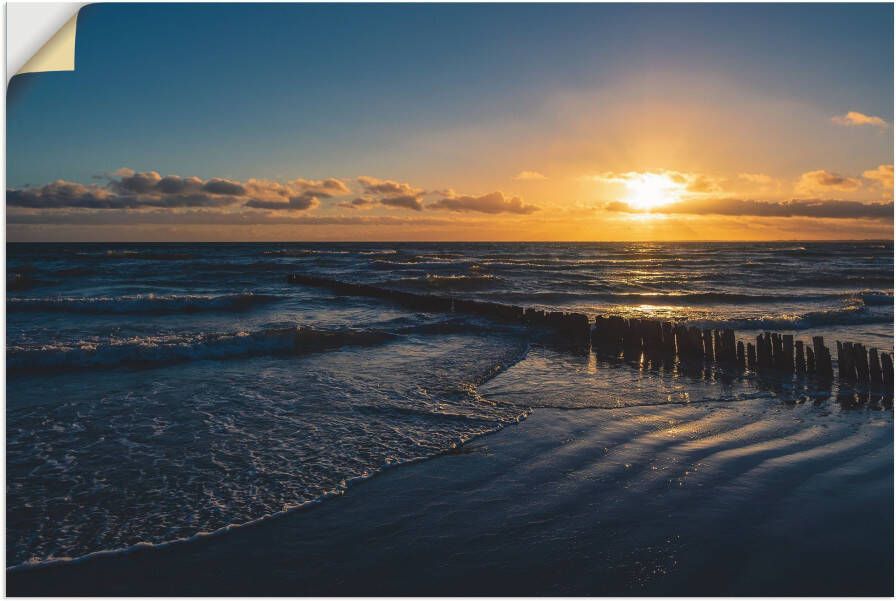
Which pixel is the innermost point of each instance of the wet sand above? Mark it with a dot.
(723, 498)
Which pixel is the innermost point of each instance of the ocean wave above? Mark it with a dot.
(838, 280)
(142, 303)
(853, 314)
(143, 254)
(303, 252)
(876, 299)
(698, 298)
(158, 350)
(434, 281)
(597, 292)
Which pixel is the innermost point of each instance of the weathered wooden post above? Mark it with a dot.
(751, 355)
(761, 354)
(886, 362)
(787, 354)
(823, 366)
(695, 342)
(709, 350)
(631, 343)
(741, 355)
(654, 338)
(860, 360)
(875, 374)
(844, 356)
(800, 363)
(680, 340)
(776, 350)
(668, 339)
(810, 361)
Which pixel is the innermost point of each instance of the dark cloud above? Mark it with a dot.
(127, 189)
(138, 183)
(302, 202)
(824, 182)
(390, 193)
(493, 203)
(385, 187)
(224, 187)
(821, 209)
(210, 217)
(174, 184)
(57, 194)
(359, 203)
(403, 202)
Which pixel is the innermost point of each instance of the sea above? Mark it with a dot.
(161, 393)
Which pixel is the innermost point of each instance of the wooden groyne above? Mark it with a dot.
(655, 339)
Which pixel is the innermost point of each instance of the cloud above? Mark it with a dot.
(756, 178)
(63, 194)
(359, 203)
(883, 175)
(212, 217)
(303, 202)
(392, 194)
(854, 118)
(822, 209)
(529, 176)
(372, 185)
(223, 186)
(822, 180)
(403, 202)
(493, 203)
(129, 189)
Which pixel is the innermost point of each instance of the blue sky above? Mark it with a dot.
(457, 96)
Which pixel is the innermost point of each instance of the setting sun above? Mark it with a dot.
(650, 190)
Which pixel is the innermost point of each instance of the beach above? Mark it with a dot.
(707, 499)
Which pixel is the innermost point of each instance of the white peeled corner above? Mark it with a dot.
(41, 37)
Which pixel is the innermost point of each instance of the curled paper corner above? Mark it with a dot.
(58, 54)
(45, 37)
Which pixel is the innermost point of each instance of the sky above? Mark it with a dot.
(459, 122)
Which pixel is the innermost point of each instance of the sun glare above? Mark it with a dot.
(650, 190)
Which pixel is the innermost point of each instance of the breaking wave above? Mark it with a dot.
(433, 281)
(160, 350)
(856, 313)
(142, 303)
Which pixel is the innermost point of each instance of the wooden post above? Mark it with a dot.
(823, 366)
(751, 355)
(680, 339)
(668, 339)
(846, 368)
(730, 345)
(776, 350)
(762, 359)
(741, 354)
(875, 374)
(800, 364)
(844, 355)
(787, 355)
(695, 341)
(886, 363)
(810, 361)
(860, 360)
(709, 349)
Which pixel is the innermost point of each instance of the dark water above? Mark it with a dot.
(156, 392)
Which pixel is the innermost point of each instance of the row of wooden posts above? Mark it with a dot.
(772, 351)
(654, 338)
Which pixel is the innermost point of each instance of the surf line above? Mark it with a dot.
(656, 340)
